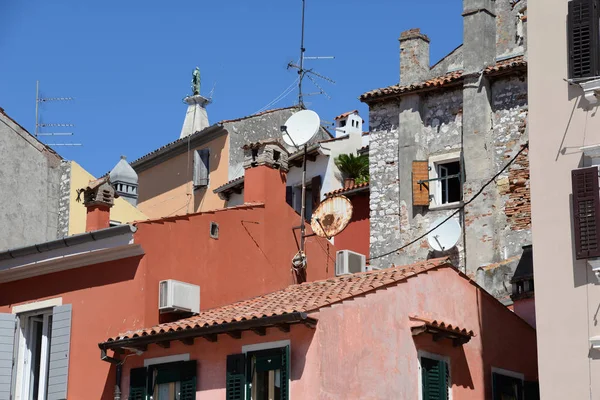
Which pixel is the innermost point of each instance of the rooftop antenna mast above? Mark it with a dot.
(302, 72)
(38, 124)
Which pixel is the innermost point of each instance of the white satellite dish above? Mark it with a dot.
(446, 236)
(301, 127)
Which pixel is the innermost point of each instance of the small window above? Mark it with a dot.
(435, 378)
(308, 200)
(343, 123)
(169, 381)
(450, 190)
(214, 230)
(506, 387)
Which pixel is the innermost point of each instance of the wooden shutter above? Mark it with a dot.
(235, 377)
(420, 172)
(188, 379)
(582, 30)
(8, 323)
(586, 212)
(316, 191)
(137, 384)
(434, 379)
(201, 167)
(289, 196)
(60, 343)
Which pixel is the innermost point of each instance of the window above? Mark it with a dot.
(297, 200)
(582, 32)
(168, 381)
(214, 230)
(507, 385)
(435, 377)
(201, 168)
(445, 180)
(342, 123)
(39, 340)
(261, 375)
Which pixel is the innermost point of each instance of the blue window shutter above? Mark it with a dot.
(7, 342)
(60, 342)
(201, 167)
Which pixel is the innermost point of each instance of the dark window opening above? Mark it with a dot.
(342, 123)
(214, 230)
(276, 155)
(506, 387)
(449, 183)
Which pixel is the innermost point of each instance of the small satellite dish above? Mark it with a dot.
(331, 217)
(301, 127)
(446, 236)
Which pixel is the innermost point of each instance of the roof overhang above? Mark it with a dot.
(440, 330)
(234, 186)
(312, 152)
(68, 253)
(210, 333)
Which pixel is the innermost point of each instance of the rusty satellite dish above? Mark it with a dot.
(331, 217)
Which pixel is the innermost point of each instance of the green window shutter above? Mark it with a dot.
(188, 371)
(285, 373)
(137, 384)
(235, 377)
(434, 379)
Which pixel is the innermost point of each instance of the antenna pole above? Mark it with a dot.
(301, 69)
(37, 101)
(303, 210)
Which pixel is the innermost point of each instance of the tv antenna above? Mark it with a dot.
(38, 132)
(298, 130)
(308, 73)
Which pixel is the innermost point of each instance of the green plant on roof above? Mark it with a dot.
(354, 167)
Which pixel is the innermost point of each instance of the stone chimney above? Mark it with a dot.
(479, 35)
(414, 56)
(98, 198)
(266, 167)
(196, 118)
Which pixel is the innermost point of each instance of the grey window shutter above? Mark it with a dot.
(7, 342)
(60, 341)
(201, 167)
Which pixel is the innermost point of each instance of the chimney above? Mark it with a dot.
(414, 56)
(266, 167)
(479, 35)
(196, 118)
(98, 198)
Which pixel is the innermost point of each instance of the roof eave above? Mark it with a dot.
(384, 97)
(285, 319)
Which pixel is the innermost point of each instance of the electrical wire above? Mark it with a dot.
(283, 95)
(525, 146)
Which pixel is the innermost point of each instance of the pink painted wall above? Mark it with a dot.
(364, 349)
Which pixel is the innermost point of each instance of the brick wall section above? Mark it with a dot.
(518, 205)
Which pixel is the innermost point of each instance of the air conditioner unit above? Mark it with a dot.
(349, 262)
(176, 296)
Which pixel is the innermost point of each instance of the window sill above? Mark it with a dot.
(449, 206)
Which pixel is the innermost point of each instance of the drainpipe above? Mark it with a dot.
(119, 364)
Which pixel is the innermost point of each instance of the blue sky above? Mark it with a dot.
(128, 64)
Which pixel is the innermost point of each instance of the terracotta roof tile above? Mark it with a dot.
(353, 187)
(417, 322)
(306, 297)
(443, 80)
(237, 182)
(344, 115)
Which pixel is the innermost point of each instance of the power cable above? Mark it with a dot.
(283, 95)
(525, 146)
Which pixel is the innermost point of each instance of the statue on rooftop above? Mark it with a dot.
(196, 82)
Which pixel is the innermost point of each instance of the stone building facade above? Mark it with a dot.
(466, 118)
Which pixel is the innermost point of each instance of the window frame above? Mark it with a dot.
(510, 374)
(438, 357)
(435, 187)
(22, 378)
(257, 347)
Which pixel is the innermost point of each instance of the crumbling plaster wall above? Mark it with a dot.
(511, 32)
(253, 129)
(394, 220)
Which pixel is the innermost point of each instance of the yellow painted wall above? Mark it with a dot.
(166, 189)
(122, 211)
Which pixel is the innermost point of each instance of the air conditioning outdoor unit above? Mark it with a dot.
(349, 262)
(176, 296)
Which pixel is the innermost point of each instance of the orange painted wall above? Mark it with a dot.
(364, 348)
(252, 256)
(356, 235)
(166, 189)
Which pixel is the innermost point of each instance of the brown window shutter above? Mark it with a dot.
(586, 212)
(316, 191)
(582, 32)
(420, 172)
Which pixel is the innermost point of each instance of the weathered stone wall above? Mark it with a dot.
(30, 177)
(64, 199)
(511, 32)
(395, 222)
(255, 128)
